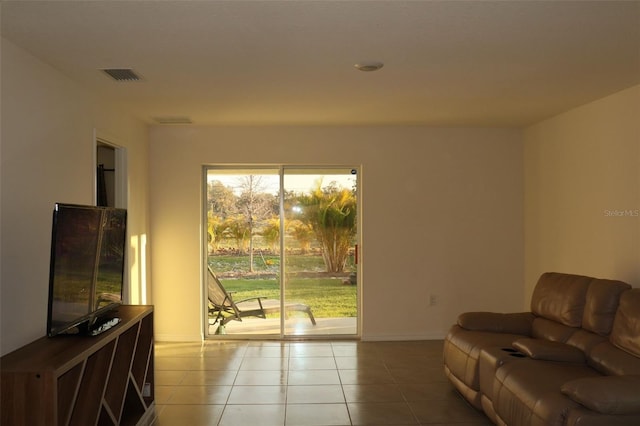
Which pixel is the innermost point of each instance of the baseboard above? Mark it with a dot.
(398, 337)
(364, 337)
(178, 338)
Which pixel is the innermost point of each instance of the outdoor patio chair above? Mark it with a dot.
(223, 308)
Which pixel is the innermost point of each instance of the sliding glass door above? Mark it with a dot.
(281, 251)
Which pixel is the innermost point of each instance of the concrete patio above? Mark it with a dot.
(295, 326)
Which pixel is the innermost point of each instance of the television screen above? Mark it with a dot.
(111, 258)
(87, 265)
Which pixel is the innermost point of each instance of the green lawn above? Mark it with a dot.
(270, 263)
(327, 297)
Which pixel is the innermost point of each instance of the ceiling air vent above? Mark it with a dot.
(173, 120)
(122, 74)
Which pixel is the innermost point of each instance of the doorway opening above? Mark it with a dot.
(281, 253)
(105, 175)
(110, 186)
(110, 189)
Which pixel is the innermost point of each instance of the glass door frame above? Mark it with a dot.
(282, 335)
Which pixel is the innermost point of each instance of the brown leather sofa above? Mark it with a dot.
(573, 360)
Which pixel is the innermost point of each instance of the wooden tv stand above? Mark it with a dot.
(83, 380)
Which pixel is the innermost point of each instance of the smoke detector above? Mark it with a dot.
(369, 66)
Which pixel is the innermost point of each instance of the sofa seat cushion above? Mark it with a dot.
(462, 351)
(550, 351)
(528, 392)
(611, 361)
(584, 417)
(607, 394)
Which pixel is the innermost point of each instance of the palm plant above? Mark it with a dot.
(331, 214)
(237, 228)
(215, 231)
(271, 233)
(302, 233)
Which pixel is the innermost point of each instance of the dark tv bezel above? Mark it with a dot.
(84, 323)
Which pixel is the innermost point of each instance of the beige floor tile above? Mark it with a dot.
(210, 377)
(313, 377)
(311, 350)
(312, 363)
(221, 363)
(356, 362)
(263, 415)
(416, 376)
(351, 349)
(381, 413)
(428, 391)
(317, 415)
(224, 352)
(446, 411)
(162, 394)
(273, 382)
(315, 394)
(415, 362)
(244, 395)
(166, 377)
(175, 363)
(197, 363)
(365, 376)
(222, 347)
(275, 377)
(264, 364)
(200, 395)
(372, 393)
(192, 415)
(267, 351)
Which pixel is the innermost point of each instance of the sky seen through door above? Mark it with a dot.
(271, 182)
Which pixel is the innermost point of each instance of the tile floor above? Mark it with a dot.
(244, 383)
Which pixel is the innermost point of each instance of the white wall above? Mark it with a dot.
(48, 125)
(456, 193)
(442, 213)
(580, 168)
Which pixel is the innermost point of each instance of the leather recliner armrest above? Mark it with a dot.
(514, 323)
(607, 394)
(549, 351)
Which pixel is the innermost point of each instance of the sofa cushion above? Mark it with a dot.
(462, 349)
(626, 326)
(514, 323)
(601, 304)
(550, 351)
(607, 395)
(527, 392)
(561, 297)
(612, 361)
(585, 340)
(543, 328)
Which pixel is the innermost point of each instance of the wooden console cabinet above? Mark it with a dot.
(104, 380)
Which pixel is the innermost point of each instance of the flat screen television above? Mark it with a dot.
(86, 273)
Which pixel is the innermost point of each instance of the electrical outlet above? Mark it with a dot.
(433, 299)
(146, 390)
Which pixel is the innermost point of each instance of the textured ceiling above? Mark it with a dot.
(446, 63)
